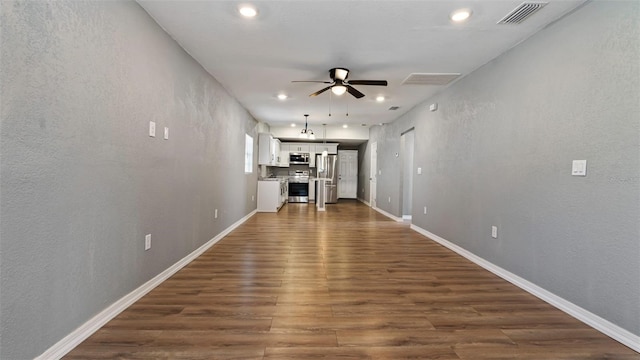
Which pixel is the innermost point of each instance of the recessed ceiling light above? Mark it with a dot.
(293, 125)
(345, 126)
(380, 98)
(282, 96)
(460, 15)
(248, 11)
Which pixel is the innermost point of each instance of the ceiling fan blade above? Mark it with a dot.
(368, 82)
(320, 91)
(314, 81)
(354, 92)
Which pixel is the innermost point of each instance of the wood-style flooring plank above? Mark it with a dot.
(347, 283)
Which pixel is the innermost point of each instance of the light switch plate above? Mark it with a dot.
(433, 107)
(579, 168)
(166, 133)
(419, 171)
(494, 232)
(147, 242)
(152, 129)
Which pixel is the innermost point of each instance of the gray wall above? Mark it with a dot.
(499, 149)
(407, 144)
(390, 166)
(82, 182)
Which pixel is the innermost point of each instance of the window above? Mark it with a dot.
(248, 154)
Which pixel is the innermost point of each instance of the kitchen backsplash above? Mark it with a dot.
(278, 171)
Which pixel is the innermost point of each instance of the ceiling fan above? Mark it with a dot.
(340, 84)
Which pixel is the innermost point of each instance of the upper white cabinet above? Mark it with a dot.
(299, 147)
(274, 153)
(268, 150)
(284, 155)
(330, 148)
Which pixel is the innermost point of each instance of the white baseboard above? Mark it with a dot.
(606, 327)
(69, 342)
(391, 216)
(364, 202)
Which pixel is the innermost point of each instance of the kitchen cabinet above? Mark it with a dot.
(312, 156)
(275, 152)
(332, 149)
(268, 150)
(298, 147)
(284, 155)
(272, 194)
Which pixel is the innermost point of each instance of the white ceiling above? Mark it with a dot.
(256, 59)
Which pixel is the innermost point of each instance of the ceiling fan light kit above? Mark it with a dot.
(338, 89)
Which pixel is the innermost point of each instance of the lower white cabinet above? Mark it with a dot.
(272, 194)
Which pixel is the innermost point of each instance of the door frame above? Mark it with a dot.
(373, 174)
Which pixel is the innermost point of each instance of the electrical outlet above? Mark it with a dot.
(494, 232)
(253, 198)
(166, 133)
(147, 242)
(215, 214)
(389, 198)
(152, 129)
(425, 210)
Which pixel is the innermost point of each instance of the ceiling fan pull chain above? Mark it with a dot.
(330, 103)
(347, 106)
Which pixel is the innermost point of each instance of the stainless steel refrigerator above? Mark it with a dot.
(328, 169)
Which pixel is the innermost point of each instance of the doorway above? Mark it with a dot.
(372, 174)
(407, 140)
(347, 174)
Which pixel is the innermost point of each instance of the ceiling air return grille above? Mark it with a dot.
(430, 79)
(522, 12)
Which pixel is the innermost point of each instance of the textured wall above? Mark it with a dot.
(82, 182)
(499, 151)
(390, 164)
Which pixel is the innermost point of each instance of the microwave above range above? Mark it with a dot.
(299, 158)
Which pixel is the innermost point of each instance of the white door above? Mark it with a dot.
(372, 176)
(347, 174)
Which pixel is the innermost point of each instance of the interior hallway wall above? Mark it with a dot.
(407, 141)
(499, 152)
(390, 164)
(82, 182)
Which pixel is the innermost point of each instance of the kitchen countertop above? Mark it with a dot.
(274, 179)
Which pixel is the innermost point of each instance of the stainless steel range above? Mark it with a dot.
(299, 186)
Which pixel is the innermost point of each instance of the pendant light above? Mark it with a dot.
(307, 133)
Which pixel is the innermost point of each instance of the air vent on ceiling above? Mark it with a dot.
(429, 79)
(394, 108)
(522, 12)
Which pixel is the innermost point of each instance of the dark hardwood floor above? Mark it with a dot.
(347, 283)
